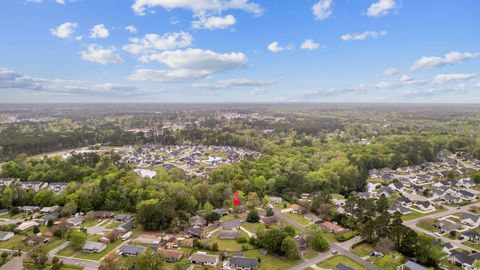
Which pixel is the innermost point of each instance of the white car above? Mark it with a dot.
(334, 252)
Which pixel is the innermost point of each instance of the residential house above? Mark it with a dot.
(446, 225)
(297, 209)
(229, 235)
(35, 185)
(198, 221)
(202, 258)
(425, 206)
(342, 266)
(473, 236)
(462, 259)
(109, 237)
(398, 208)
(404, 201)
(449, 198)
(170, 255)
(35, 240)
(27, 225)
(302, 244)
(50, 210)
(467, 195)
(122, 217)
(130, 250)
(194, 232)
(5, 236)
(29, 209)
(59, 229)
(313, 218)
(466, 183)
(470, 219)
(244, 263)
(221, 211)
(331, 227)
(127, 226)
(275, 200)
(101, 214)
(397, 186)
(268, 220)
(411, 265)
(93, 247)
(76, 220)
(385, 191)
(231, 224)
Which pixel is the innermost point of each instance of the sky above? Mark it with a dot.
(190, 51)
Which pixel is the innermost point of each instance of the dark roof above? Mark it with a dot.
(130, 249)
(229, 235)
(244, 262)
(414, 266)
(466, 215)
(342, 266)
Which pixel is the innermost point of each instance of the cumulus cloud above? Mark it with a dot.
(310, 44)
(98, 54)
(226, 84)
(275, 47)
(446, 78)
(131, 29)
(260, 91)
(450, 58)
(188, 64)
(152, 43)
(65, 30)
(11, 79)
(214, 22)
(198, 6)
(381, 8)
(99, 31)
(363, 36)
(389, 71)
(322, 9)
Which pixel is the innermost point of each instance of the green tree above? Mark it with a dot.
(290, 248)
(77, 238)
(319, 243)
(253, 216)
(390, 261)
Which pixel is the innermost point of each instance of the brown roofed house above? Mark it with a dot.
(101, 214)
(268, 220)
(60, 229)
(110, 237)
(35, 240)
(170, 255)
(331, 227)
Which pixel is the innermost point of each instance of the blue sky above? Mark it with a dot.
(239, 51)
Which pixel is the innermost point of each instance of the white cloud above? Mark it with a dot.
(11, 79)
(275, 47)
(198, 6)
(309, 44)
(405, 78)
(214, 22)
(99, 31)
(226, 84)
(446, 78)
(363, 36)
(61, 2)
(450, 58)
(381, 8)
(152, 43)
(260, 91)
(101, 55)
(65, 30)
(131, 29)
(322, 9)
(189, 64)
(390, 71)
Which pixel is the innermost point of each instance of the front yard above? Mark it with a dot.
(269, 262)
(298, 218)
(332, 262)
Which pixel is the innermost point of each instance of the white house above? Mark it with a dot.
(4, 236)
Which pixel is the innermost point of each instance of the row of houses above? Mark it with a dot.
(56, 187)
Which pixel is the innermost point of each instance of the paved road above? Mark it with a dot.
(86, 264)
(450, 210)
(280, 215)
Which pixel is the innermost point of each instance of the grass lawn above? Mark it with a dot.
(471, 244)
(113, 224)
(15, 243)
(252, 227)
(93, 238)
(53, 243)
(310, 254)
(29, 265)
(89, 222)
(362, 250)
(416, 214)
(228, 245)
(98, 256)
(426, 225)
(337, 196)
(269, 262)
(299, 218)
(282, 205)
(333, 261)
(67, 252)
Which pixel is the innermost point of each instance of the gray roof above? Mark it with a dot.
(342, 266)
(204, 258)
(229, 235)
(244, 262)
(4, 234)
(466, 215)
(93, 245)
(130, 249)
(414, 266)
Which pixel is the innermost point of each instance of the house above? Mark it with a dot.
(449, 198)
(5, 236)
(447, 248)
(398, 208)
(127, 226)
(231, 224)
(60, 228)
(473, 236)
(93, 247)
(3, 212)
(462, 259)
(342, 266)
(397, 186)
(302, 244)
(57, 187)
(469, 219)
(328, 226)
(222, 212)
(312, 217)
(170, 255)
(76, 221)
(229, 235)
(50, 210)
(198, 221)
(27, 225)
(425, 206)
(35, 185)
(466, 183)
(275, 200)
(109, 237)
(385, 191)
(268, 220)
(446, 225)
(297, 209)
(122, 217)
(467, 195)
(244, 263)
(47, 217)
(35, 240)
(194, 232)
(29, 209)
(203, 258)
(101, 214)
(411, 265)
(404, 201)
(130, 250)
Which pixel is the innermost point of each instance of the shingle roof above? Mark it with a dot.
(244, 262)
(130, 249)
